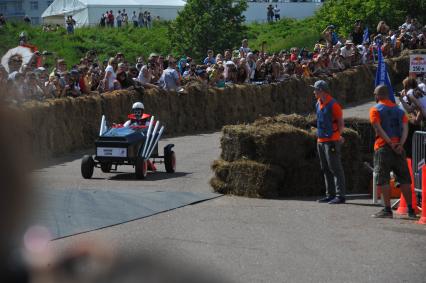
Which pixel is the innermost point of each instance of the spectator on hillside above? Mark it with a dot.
(357, 34)
(72, 88)
(330, 36)
(209, 60)
(244, 49)
(382, 28)
(347, 52)
(70, 22)
(149, 20)
(227, 56)
(170, 79)
(270, 13)
(125, 19)
(31, 88)
(135, 19)
(141, 22)
(27, 20)
(110, 74)
(2, 20)
(121, 81)
(103, 20)
(110, 18)
(277, 13)
(52, 88)
(407, 25)
(119, 19)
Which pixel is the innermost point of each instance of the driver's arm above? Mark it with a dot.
(127, 124)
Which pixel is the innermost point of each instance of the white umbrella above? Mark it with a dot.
(24, 52)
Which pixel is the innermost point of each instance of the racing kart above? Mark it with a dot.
(132, 145)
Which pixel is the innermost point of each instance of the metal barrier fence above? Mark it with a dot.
(418, 160)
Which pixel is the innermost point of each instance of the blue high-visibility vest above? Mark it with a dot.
(325, 120)
(391, 119)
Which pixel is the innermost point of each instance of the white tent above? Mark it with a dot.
(89, 12)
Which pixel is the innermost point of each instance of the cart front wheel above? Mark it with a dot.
(87, 166)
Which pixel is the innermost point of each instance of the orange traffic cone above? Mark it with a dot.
(422, 219)
(402, 208)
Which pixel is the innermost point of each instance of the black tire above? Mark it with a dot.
(106, 167)
(87, 166)
(170, 161)
(141, 168)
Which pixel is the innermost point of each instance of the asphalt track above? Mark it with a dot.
(252, 240)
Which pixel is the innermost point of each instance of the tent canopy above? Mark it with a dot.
(88, 12)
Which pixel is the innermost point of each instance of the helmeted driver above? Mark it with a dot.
(138, 117)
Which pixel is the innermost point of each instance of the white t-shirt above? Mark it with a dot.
(112, 78)
(345, 52)
(141, 77)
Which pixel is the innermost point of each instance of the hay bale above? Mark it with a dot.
(365, 131)
(275, 143)
(298, 121)
(252, 151)
(247, 178)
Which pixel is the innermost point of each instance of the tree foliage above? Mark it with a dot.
(208, 24)
(343, 13)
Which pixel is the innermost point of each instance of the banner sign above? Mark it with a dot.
(418, 63)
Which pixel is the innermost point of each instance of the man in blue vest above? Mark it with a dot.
(391, 126)
(330, 126)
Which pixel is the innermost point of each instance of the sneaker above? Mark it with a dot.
(337, 200)
(411, 214)
(326, 199)
(383, 214)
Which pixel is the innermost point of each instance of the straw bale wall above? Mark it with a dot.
(63, 125)
(276, 157)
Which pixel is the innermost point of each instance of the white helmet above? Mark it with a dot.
(138, 105)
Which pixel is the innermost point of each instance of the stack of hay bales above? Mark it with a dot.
(276, 157)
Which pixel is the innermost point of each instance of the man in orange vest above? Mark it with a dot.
(330, 126)
(391, 126)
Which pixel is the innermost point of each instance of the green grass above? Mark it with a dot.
(283, 34)
(134, 42)
(107, 42)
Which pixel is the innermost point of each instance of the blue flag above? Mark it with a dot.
(382, 75)
(366, 36)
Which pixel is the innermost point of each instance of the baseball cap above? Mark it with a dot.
(321, 85)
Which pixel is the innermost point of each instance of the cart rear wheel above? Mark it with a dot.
(87, 166)
(170, 162)
(141, 168)
(106, 167)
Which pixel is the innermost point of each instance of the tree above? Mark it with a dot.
(208, 24)
(343, 13)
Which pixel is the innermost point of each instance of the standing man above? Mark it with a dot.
(119, 19)
(170, 79)
(391, 126)
(209, 60)
(330, 126)
(277, 13)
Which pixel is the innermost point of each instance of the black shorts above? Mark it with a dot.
(385, 161)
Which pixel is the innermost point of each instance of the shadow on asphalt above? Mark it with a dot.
(151, 176)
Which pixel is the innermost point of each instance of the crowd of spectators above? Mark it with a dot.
(121, 19)
(333, 53)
